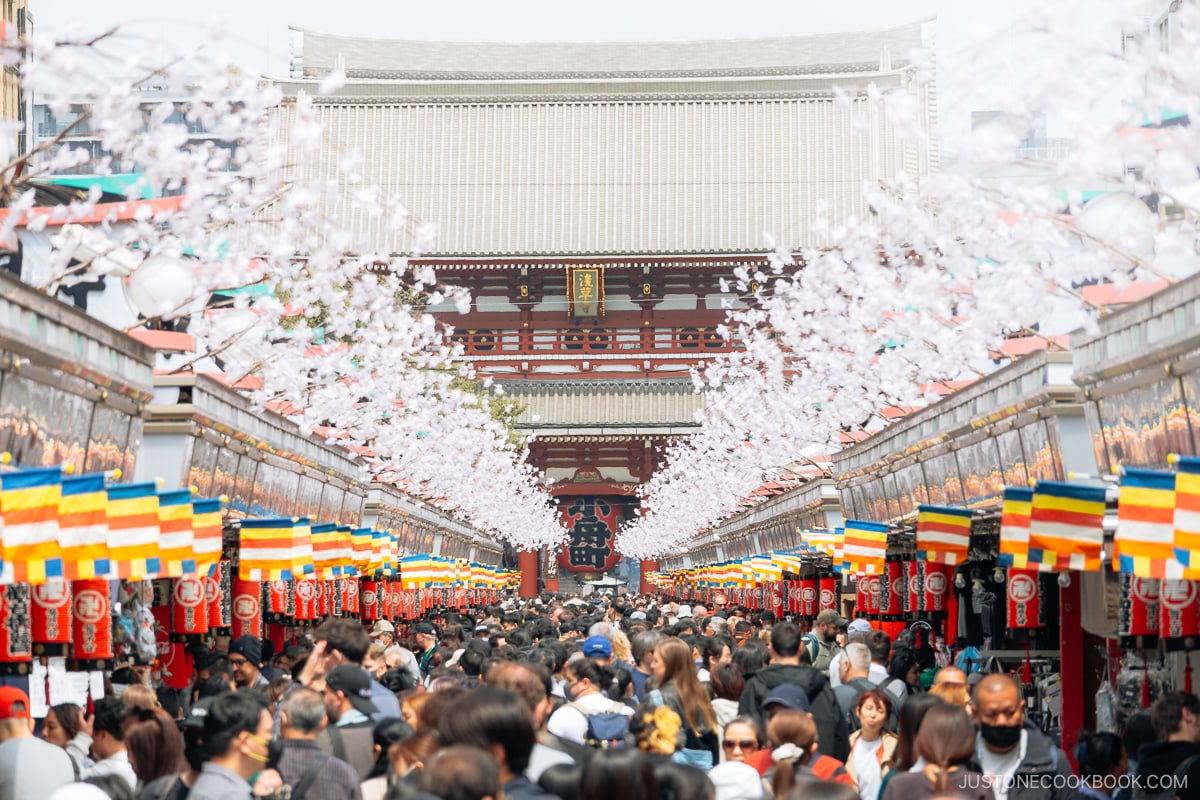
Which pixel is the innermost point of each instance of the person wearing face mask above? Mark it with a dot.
(1018, 760)
(237, 734)
(586, 681)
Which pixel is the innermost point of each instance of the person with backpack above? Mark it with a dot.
(1018, 760)
(854, 668)
(680, 690)
(1170, 767)
(822, 644)
(589, 717)
(785, 668)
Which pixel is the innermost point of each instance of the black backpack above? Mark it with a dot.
(1170, 790)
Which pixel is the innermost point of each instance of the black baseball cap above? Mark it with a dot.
(353, 682)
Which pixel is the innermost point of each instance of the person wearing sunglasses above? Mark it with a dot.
(743, 738)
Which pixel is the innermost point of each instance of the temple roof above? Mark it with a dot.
(316, 54)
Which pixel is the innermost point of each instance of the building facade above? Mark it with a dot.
(597, 200)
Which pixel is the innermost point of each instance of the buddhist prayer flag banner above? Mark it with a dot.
(1187, 513)
(943, 534)
(1144, 543)
(865, 546)
(83, 527)
(267, 549)
(1014, 527)
(361, 541)
(325, 551)
(133, 531)
(786, 561)
(345, 551)
(176, 536)
(29, 509)
(1066, 526)
(206, 534)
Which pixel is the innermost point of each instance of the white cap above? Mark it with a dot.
(859, 626)
(684, 612)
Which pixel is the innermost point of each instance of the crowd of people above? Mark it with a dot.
(590, 698)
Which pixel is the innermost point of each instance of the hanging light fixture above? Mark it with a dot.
(162, 286)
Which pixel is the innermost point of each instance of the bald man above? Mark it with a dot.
(1020, 762)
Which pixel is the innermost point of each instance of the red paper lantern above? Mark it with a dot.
(368, 599)
(828, 597)
(247, 609)
(218, 592)
(410, 604)
(323, 599)
(189, 609)
(1179, 609)
(280, 601)
(91, 624)
(396, 605)
(50, 617)
(810, 595)
(892, 589)
(307, 593)
(936, 587)
(874, 590)
(1139, 613)
(16, 640)
(912, 587)
(1024, 599)
(350, 596)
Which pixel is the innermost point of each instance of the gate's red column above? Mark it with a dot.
(1070, 636)
(647, 565)
(527, 563)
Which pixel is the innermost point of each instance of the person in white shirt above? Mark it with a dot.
(859, 630)
(108, 741)
(585, 683)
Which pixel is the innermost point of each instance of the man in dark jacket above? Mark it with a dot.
(1019, 761)
(785, 667)
(302, 716)
(1173, 762)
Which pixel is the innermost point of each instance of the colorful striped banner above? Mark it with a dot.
(29, 501)
(1015, 511)
(206, 534)
(1144, 543)
(176, 536)
(865, 546)
(325, 551)
(1187, 513)
(943, 534)
(1066, 526)
(133, 531)
(266, 549)
(83, 528)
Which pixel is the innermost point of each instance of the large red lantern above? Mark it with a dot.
(1138, 613)
(16, 640)
(50, 617)
(936, 594)
(1024, 599)
(91, 623)
(368, 598)
(280, 602)
(350, 596)
(828, 597)
(218, 594)
(189, 609)
(810, 595)
(1179, 609)
(247, 609)
(307, 593)
(912, 587)
(892, 589)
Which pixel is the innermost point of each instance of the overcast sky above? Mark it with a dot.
(258, 38)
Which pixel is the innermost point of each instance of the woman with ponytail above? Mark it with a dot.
(946, 742)
(793, 738)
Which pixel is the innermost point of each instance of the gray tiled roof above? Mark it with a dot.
(601, 402)
(383, 58)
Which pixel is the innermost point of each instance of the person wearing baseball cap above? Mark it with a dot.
(29, 767)
(425, 637)
(383, 632)
(822, 644)
(349, 707)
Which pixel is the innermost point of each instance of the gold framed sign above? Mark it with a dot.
(585, 292)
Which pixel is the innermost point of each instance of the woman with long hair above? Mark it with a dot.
(618, 772)
(793, 735)
(871, 747)
(947, 744)
(904, 677)
(61, 726)
(154, 745)
(682, 692)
